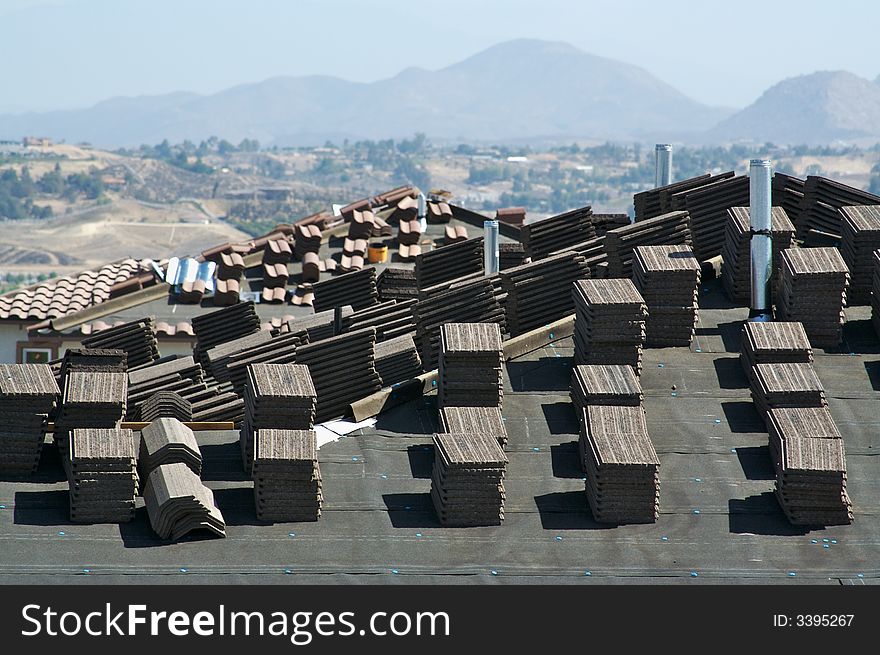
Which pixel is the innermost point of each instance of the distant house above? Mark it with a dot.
(36, 142)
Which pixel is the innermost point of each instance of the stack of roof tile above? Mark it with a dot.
(354, 252)
(610, 323)
(557, 233)
(474, 420)
(438, 211)
(593, 251)
(657, 201)
(166, 404)
(786, 385)
(808, 452)
(361, 224)
(276, 255)
(311, 267)
(102, 473)
(774, 342)
(510, 255)
(449, 262)
(391, 319)
(287, 478)
(276, 396)
(221, 326)
(137, 339)
(306, 239)
(454, 234)
(861, 237)
(343, 370)
(467, 483)
(472, 302)
(397, 284)
(667, 229)
(178, 503)
(788, 193)
(604, 222)
(28, 393)
(230, 268)
(875, 296)
(409, 233)
(280, 349)
(668, 277)
(182, 375)
(470, 370)
(822, 200)
(736, 275)
(93, 359)
(813, 291)
(540, 293)
(604, 384)
(515, 216)
(168, 441)
(397, 360)
(357, 289)
(405, 209)
(623, 471)
(227, 292)
(90, 399)
(707, 207)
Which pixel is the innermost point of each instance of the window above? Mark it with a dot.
(36, 355)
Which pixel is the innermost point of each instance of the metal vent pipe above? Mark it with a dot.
(761, 243)
(423, 212)
(491, 257)
(662, 164)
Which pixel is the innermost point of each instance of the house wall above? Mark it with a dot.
(10, 334)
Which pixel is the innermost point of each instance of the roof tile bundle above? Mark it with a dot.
(510, 255)
(391, 319)
(474, 420)
(357, 289)
(230, 266)
(223, 325)
(810, 462)
(788, 193)
(361, 224)
(276, 396)
(861, 237)
(515, 216)
(786, 385)
(287, 478)
(557, 233)
(540, 293)
(813, 291)
(227, 292)
(137, 339)
(736, 272)
(668, 277)
(438, 212)
(354, 252)
(623, 471)
(102, 473)
(604, 222)
(277, 251)
(593, 251)
(182, 375)
(822, 200)
(449, 262)
(604, 384)
(470, 367)
(667, 229)
(280, 349)
(191, 292)
(166, 404)
(657, 201)
(306, 239)
(397, 360)
(343, 370)
(774, 342)
(454, 234)
(397, 284)
(93, 359)
(472, 302)
(467, 482)
(168, 441)
(707, 207)
(178, 503)
(28, 393)
(93, 399)
(610, 323)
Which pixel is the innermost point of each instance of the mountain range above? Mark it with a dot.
(518, 90)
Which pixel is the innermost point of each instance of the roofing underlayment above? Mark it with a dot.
(719, 519)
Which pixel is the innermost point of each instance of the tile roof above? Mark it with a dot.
(62, 296)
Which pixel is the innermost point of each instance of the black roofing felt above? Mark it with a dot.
(719, 520)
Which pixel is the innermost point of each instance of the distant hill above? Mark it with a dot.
(515, 90)
(813, 109)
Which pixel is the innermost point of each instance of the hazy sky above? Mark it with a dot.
(60, 54)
